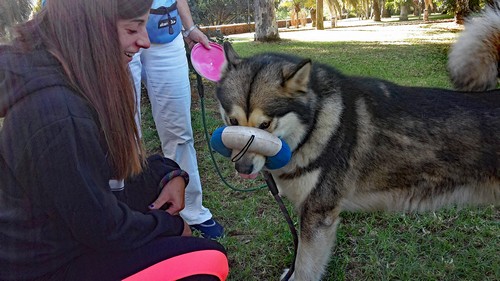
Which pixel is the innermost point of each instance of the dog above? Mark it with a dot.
(360, 144)
(473, 61)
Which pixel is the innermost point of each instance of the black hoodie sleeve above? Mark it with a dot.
(64, 169)
(140, 191)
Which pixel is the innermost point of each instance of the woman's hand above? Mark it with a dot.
(197, 36)
(172, 194)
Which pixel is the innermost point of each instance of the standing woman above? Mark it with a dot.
(165, 71)
(68, 106)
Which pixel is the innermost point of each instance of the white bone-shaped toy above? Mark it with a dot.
(226, 138)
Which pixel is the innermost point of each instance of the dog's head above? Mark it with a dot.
(269, 92)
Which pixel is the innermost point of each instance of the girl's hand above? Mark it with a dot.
(172, 194)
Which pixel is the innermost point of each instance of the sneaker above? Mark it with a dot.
(209, 229)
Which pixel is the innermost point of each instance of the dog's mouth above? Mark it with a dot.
(249, 165)
(249, 177)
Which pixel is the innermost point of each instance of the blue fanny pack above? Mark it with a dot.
(164, 22)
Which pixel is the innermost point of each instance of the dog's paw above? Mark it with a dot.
(284, 274)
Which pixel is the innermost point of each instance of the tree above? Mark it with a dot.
(13, 12)
(376, 10)
(266, 27)
(385, 9)
(403, 15)
(335, 7)
(319, 15)
(217, 12)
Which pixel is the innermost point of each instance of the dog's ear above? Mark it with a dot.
(297, 80)
(232, 58)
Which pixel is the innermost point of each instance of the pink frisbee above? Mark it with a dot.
(208, 63)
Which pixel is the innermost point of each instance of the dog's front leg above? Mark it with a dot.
(316, 240)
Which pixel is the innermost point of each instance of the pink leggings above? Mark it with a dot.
(165, 258)
(205, 262)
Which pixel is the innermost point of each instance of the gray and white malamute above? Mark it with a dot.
(361, 144)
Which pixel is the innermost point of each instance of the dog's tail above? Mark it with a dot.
(473, 61)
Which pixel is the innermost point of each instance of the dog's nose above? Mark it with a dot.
(243, 168)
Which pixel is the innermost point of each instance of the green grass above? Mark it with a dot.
(411, 65)
(450, 244)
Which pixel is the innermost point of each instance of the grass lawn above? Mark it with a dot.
(451, 244)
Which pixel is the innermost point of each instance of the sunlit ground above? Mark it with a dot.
(389, 31)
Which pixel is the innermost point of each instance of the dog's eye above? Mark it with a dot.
(233, 122)
(264, 125)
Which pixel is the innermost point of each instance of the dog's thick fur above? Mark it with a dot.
(473, 59)
(361, 144)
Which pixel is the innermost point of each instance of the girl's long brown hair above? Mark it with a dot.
(83, 36)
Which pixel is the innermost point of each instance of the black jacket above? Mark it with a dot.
(55, 200)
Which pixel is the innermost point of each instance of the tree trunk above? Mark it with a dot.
(385, 11)
(266, 27)
(416, 8)
(319, 15)
(376, 10)
(368, 10)
(403, 16)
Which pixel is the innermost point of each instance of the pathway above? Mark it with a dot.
(369, 31)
